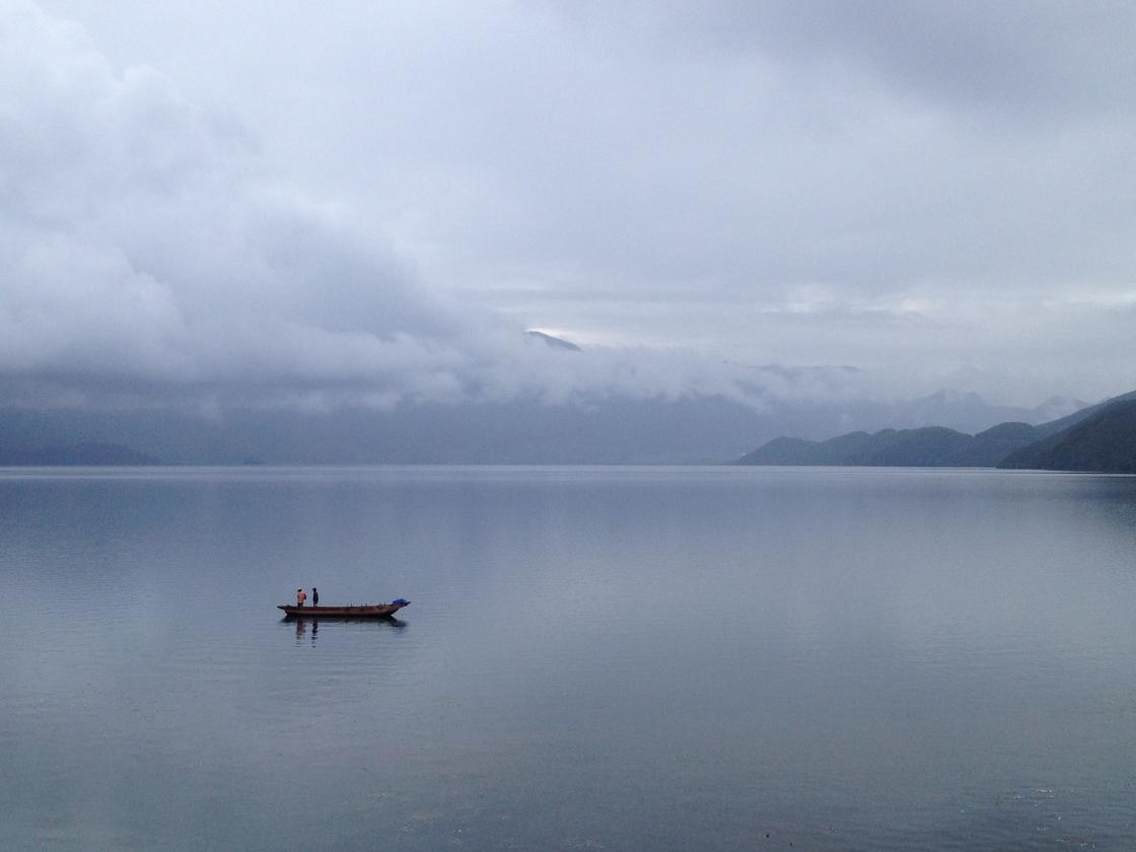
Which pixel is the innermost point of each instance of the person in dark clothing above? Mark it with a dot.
(315, 596)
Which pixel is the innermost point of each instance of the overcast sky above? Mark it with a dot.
(372, 200)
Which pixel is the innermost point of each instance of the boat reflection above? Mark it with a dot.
(302, 625)
(302, 629)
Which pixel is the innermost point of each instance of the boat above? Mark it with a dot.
(382, 610)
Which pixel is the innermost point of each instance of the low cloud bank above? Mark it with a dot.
(149, 259)
(142, 247)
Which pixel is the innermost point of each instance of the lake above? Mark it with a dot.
(595, 658)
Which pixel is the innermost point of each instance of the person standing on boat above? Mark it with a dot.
(301, 596)
(315, 596)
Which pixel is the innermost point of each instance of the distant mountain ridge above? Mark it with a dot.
(1105, 441)
(966, 411)
(600, 428)
(1099, 437)
(85, 453)
(931, 446)
(603, 428)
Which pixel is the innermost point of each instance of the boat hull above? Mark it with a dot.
(366, 611)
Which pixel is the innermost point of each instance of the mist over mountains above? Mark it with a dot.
(598, 429)
(638, 411)
(579, 405)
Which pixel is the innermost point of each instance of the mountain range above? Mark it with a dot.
(1104, 441)
(946, 428)
(606, 428)
(1099, 437)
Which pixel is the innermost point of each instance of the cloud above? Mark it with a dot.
(141, 242)
(390, 195)
(150, 256)
(1044, 60)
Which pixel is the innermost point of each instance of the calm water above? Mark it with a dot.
(615, 658)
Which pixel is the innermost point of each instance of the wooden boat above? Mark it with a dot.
(384, 610)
